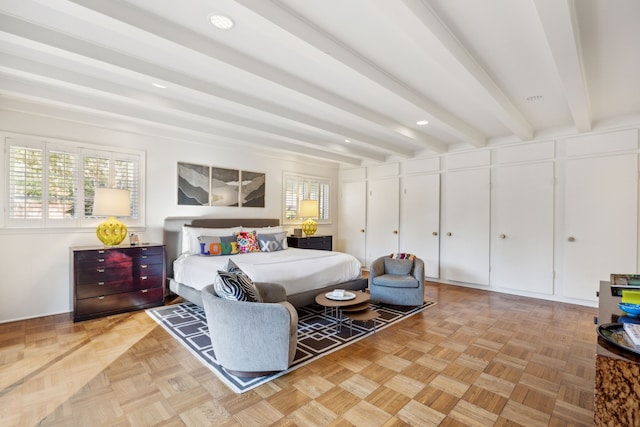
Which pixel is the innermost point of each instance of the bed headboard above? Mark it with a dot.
(172, 234)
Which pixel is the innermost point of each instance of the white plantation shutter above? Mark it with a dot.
(25, 181)
(301, 187)
(53, 184)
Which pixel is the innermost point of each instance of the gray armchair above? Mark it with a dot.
(397, 281)
(252, 339)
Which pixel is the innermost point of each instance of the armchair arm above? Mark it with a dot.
(271, 292)
(377, 268)
(418, 271)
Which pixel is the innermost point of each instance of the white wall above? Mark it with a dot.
(35, 264)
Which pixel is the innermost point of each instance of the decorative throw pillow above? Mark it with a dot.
(402, 255)
(232, 267)
(400, 267)
(272, 242)
(218, 245)
(237, 287)
(190, 243)
(247, 242)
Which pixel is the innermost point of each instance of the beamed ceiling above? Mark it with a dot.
(300, 77)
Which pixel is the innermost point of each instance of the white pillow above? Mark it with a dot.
(265, 230)
(190, 242)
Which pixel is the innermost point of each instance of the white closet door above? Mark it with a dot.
(353, 216)
(601, 208)
(383, 218)
(522, 239)
(420, 220)
(465, 240)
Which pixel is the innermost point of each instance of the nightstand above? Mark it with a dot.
(110, 280)
(324, 243)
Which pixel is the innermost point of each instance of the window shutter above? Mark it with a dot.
(96, 175)
(25, 182)
(126, 179)
(62, 189)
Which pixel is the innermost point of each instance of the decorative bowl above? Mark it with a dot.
(630, 309)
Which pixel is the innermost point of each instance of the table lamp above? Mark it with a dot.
(309, 210)
(111, 202)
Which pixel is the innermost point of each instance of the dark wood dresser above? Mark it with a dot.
(109, 280)
(324, 243)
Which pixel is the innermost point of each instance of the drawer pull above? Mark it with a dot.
(144, 257)
(100, 270)
(100, 259)
(144, 291)
(100, 283)
(101, 251)
(144, 266)
(101, 297)
(144, 249)
(143, 278)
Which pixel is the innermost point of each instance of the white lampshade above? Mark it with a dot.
(308, 209)
(111, 202)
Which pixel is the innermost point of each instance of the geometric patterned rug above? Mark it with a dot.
(318, 335)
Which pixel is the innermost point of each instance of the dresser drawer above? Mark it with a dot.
(96, 289)
(111, 304)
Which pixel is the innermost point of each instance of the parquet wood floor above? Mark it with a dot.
(476, 358)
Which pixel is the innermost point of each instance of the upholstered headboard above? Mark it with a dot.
(172, 234)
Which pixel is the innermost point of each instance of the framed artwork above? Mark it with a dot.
(225, 185)
(193, 184)
(252, 189)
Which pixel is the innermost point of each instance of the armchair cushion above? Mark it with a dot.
(396, 281)
(400, 267)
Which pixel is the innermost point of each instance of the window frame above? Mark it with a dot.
(309, 181)
(80, 151)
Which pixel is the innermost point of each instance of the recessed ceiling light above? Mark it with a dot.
(221, 22)
(422, 122)
(158, 85)
(348, 141)
(534, 98)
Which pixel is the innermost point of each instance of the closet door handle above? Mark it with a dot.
(395, 231)
(362, 230)
(503, 236)
(571, 239)
(435, 233)
(449, 233)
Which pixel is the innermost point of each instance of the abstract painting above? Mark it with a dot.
(193, 184)
(252, 190)
(225, 185)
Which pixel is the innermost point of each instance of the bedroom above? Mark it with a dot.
(30, 107)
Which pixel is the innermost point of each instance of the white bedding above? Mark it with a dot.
(298, 270)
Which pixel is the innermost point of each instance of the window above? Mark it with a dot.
(52, 184)
(301, 187)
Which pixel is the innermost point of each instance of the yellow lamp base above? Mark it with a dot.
(309, 227)
(111, 232)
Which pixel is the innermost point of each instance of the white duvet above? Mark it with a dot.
(298, 270)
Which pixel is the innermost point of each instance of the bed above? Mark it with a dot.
(304, 273)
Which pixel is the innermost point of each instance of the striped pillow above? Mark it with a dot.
(236, 287)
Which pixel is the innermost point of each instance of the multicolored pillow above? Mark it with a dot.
(236, 287)
(247, 242)
(218, 245)
(272, 242)
(402, 255)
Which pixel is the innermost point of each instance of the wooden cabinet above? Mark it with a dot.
(323, 243)
(109, 280)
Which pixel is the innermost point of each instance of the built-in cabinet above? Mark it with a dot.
(600, 233)
(522, 232)
(547, 219)
(464, 255)
(420, 220)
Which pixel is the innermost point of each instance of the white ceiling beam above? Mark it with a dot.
(454, 54)
(122, 110)
(296, 25)
(111, 58)
(558, 18)
(15, 65)
(182, 36)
